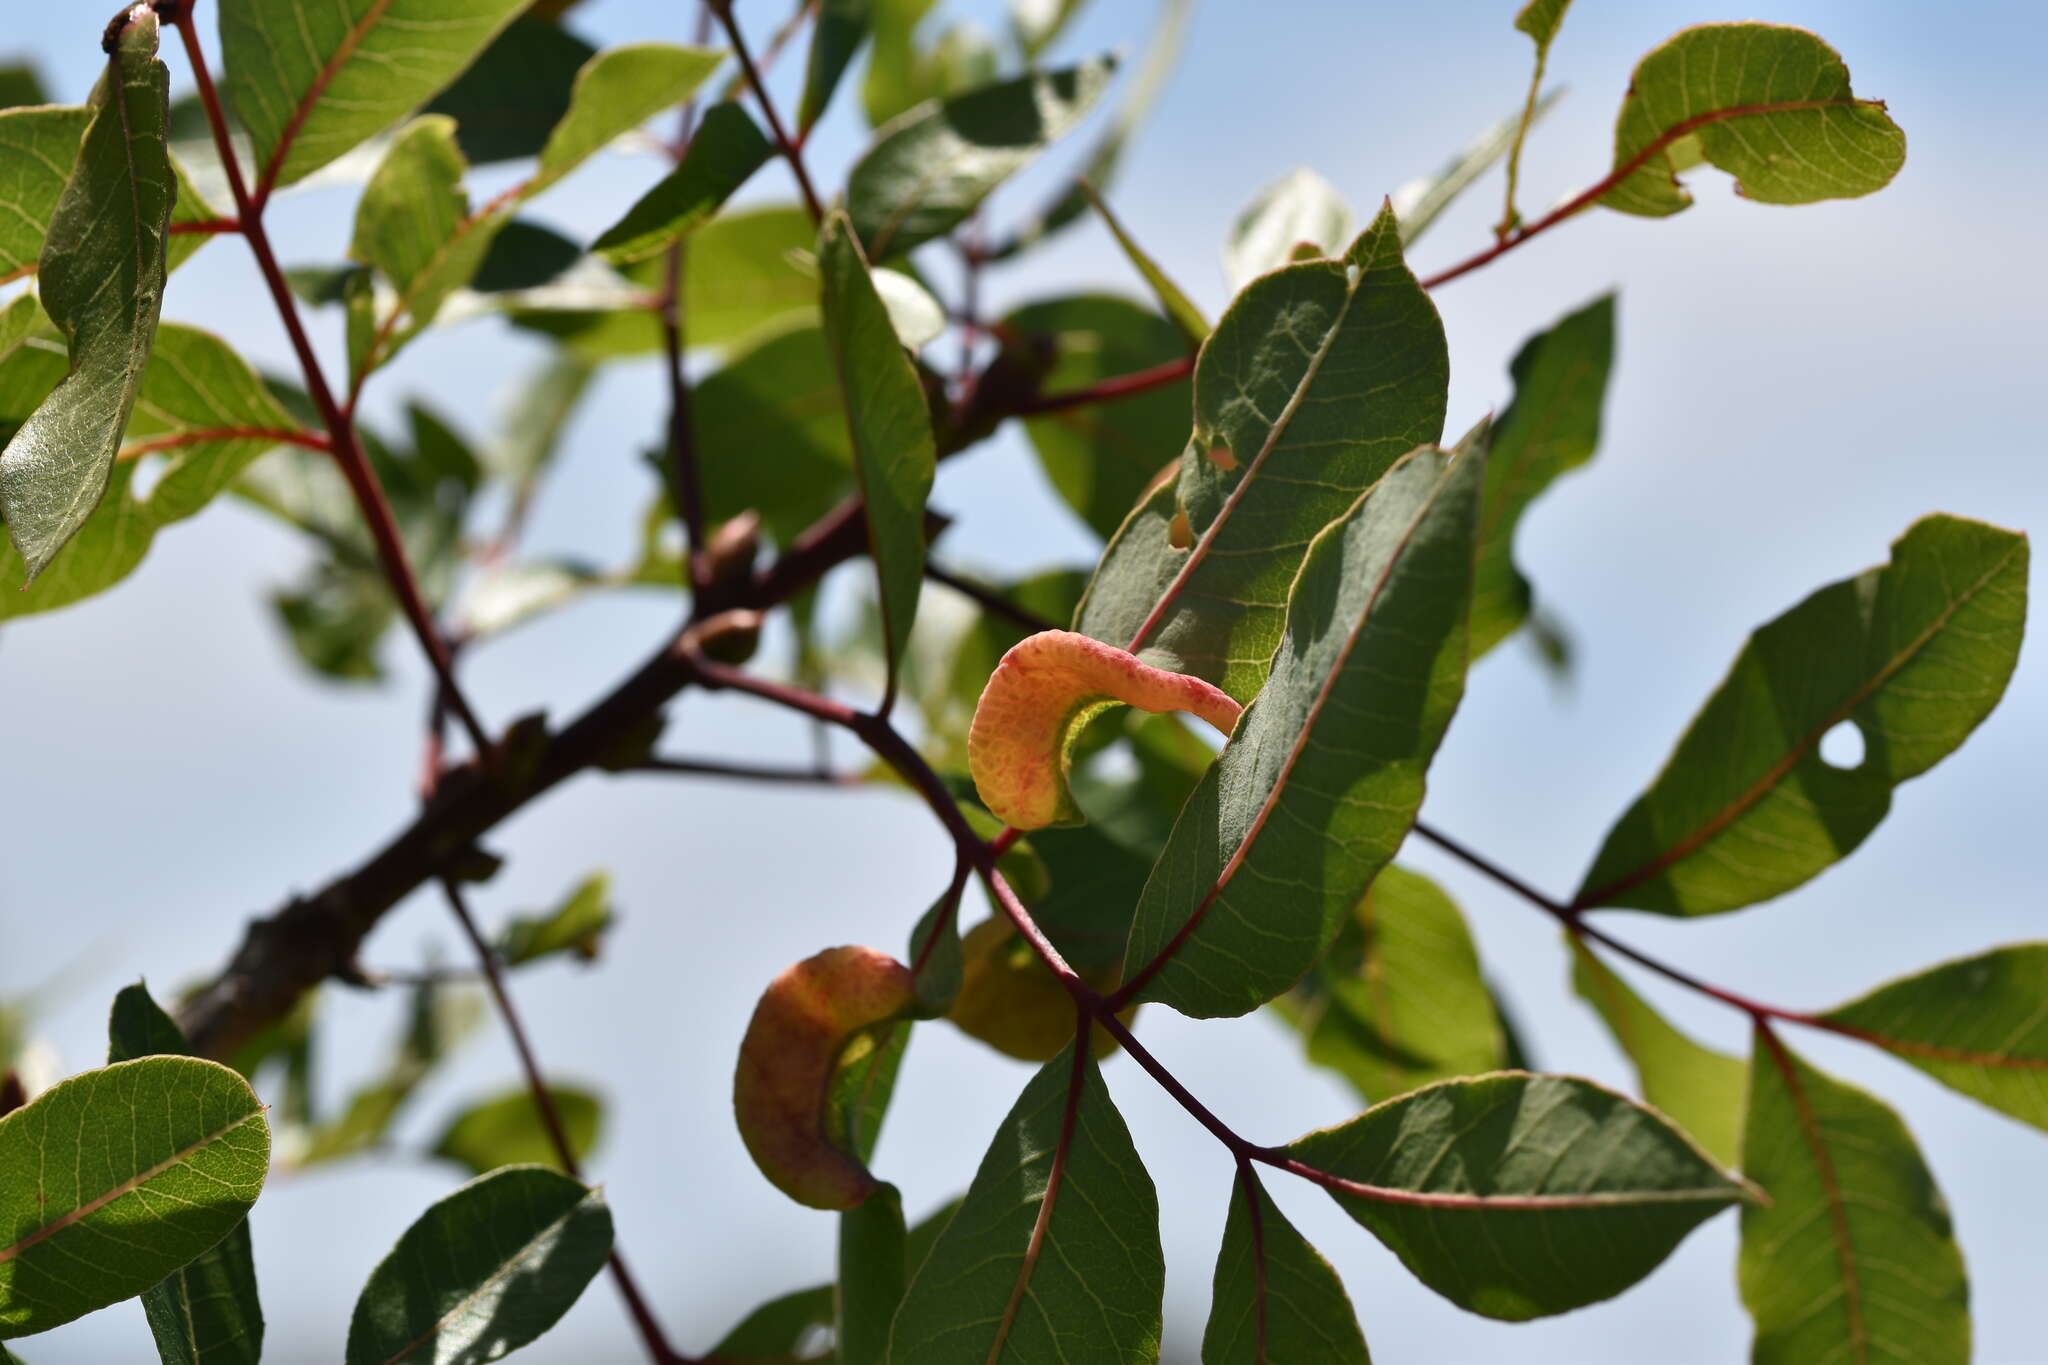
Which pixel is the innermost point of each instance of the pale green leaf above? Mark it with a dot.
(1398, 1002)
(872, 1275)
(102, 283)
(1085, 1288)
(1699, 1089)
(507, 1130)
(894, 79)
(502, 595)
(616, 91)
(412, 210)
(1419, 202)
(1914, 654)
(838, 31)
(1768, 104)
(1853, 1258)
(1519, 1196)
(1275, 1298)
(113, 1179)
(1039, 23)
(724, 151)
(1318, 378)
(483, 1272)
(919, 319)
(1552, 427)
(888, 422)
(1324, 774)
(311, 82)
(574, 926)
(1172, 300)
(930, 169)
(1301, 208)
(1976, 1025)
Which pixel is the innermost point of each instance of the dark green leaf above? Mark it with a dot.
(1768, 104)
(113, 1179)
(724, 151)
(1397, 1002)
(574, 926)
(207, 1311)
(20, 84)
(102, 283)
(928, 171)
(1540, 20)
(1519, 1196)
(1325, 769)
(312, 82)
(778, 1327)
(780, 395)
(935, 958)
(1275, 1297)
(1552, 427)
(1101, 457)
(837, 33)
(872, 1275)
(890, 427)
(513, 95)
(1083, 1288)
(1975, 1025)
(524, 255)
(507, 1130)
(1700, 1089)
(1315, 381)
(484, 1271)
(1301, 209)
(616, 91)
(1853, 1258)
(1914, 654)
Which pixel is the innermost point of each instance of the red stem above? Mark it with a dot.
(346, 449)
(199, 227)
(310, 440)
(791, 151)
(1111, 389)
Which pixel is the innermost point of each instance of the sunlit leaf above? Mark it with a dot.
(574, 926)
(1302, 208)
(616, 91)
(507, 1130)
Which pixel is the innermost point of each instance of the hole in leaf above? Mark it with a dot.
(1221, 457)
(1179, 533)
(1842, 747)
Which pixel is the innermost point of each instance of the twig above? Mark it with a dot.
(990, 600)
(791, 150)
(751, 772)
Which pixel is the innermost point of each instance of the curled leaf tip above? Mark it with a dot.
(782, 1089)
(1042, 695)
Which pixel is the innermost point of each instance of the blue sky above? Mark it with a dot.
(1795, 387)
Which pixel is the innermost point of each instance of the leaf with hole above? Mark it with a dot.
(1275, 1298)
(1699, 1089)
(1397, 1001)
(1324, 774)
(484, 1271)
(1914, 654)
(1316, 380)
(113, 1179)
(101, 281)
(930, 169)
(1054, 1254)
(1519, 1196)
(1976, 1025)
(1854, 1257)
(1769, 104)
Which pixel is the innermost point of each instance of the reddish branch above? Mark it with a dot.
(792, 151)
(310, 440)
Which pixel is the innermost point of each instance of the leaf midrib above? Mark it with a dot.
(289, 136)
(511, 1263)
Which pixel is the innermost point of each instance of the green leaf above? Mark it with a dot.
(1054, 1254)
(1101, 457)
(37, 149)
(513, 95)
(863, 1081)
(1398, 1001)
(930, 169)
(1541, 19)
(524, 255)
(871, 1278)
(1976, 1025)
(775, 1329)
(574, 926)
(484, 1271)
(891, 429)
(781, 395)
(440, 1020)
(113, 1179)
(1553, 426)
(935, 957)
(1172, 301)
(1039, 23)
(1324, 772)
(1275, 1297)
(506, 1130)
(1419, 202)
(1853, 1258)
(204, 416)
(312, 82)
(1698, 1088)
(894, 78)
(1768, 104)
(102, 283)
(1303, 208)
(1318, 378)
(616, 91)
(20, 84)
(414, 213)
(1519, 1196)
(838, 31)
(725, 150)
(1914, 654)
(207, 1311)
